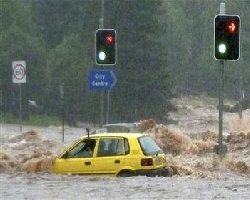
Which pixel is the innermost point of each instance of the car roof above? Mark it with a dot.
(126, 135)
(129, 125)
(122, 127)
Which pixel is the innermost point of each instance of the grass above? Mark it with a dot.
(34, 120)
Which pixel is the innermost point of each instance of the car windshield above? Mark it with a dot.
(149, 146)
(82, 149)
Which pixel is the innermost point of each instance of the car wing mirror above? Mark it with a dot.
(65, 155)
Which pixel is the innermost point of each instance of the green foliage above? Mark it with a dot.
(8, 118)
(43, 120)
(20, 41)
(144, 77)
(164, 47)
(35, 120)
(69, 68)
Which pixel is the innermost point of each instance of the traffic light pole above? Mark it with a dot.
(62, 108)
(101, 25)
(105, 53)
(241, 88)
(241, 75)
(227, 47)
(221, 100)
(221, 149)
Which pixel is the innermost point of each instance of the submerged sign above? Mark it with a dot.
(101, 79)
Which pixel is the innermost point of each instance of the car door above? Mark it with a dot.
(110, 155)
(78, 159)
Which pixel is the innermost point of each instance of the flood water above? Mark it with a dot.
(44, 185)
(25, 181)
(49, 186)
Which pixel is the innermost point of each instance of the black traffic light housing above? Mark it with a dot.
(105, 49)
(227, 37)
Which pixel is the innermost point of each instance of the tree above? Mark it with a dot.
(20, 41)
(144, 80)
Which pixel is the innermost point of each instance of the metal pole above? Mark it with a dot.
(108, 105)
(222, 8)
(20, 107)
(241, 88)
(101, 25)
(101, 108)
(221, 94)
(221, 97)
(62, 109)
(241, 72)
(102, 16)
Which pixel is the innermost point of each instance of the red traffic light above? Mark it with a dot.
(227, 37)
(109, 39)
(231, 27)
(105, 47)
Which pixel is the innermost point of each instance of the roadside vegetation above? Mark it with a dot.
(33, 120)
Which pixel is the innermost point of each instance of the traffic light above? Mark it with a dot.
(105, 46)
(227, 37)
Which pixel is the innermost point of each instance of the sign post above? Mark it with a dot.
(102, 80)
(19, 77)
(62, 109)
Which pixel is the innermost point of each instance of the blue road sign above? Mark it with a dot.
(101, 79)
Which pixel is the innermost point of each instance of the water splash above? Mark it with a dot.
(28, 152)
(194, 156)
(240, 125)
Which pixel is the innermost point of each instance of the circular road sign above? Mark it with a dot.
(19, 71)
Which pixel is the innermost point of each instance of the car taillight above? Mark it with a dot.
(146, 162)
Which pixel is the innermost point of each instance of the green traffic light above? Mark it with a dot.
(227, 37)
(222, 48)
(102, 55)
(105, 47)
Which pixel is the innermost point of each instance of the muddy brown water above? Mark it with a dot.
(16, 184)
(48, 186)
(25, 161)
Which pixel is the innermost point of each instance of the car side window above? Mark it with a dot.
(111, 147)
(126, 146)
(83, 149)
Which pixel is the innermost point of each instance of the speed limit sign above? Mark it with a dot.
(19, 71)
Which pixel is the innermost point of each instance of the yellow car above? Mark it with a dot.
(120, 154)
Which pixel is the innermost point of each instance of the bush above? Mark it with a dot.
(8, 118)
(38, 120)
(42, 120)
